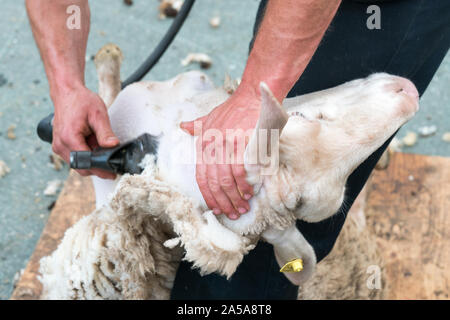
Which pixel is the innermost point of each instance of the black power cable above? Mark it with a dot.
(165, 42)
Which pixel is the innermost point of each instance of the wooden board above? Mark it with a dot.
(75, 200)
(407, 210)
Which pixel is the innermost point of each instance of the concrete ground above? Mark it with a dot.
(24, 98)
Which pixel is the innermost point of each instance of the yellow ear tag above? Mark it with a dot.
(295, 265)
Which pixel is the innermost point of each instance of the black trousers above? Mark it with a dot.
(412, 42)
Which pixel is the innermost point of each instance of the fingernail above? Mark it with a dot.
(111, 139)
(247, 196)
(233, 216)
(242, 210)
(216, 211)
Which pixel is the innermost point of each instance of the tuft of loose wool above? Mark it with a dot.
(230, 85)
(4, 169)
(410, 139)
(169, 8)
(203, 59)
(52, 187)
(57, 161)
(396, 145)
(427, 131)
(11, 134)
(214, 22)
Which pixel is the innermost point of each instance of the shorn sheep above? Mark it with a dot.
(130, 246)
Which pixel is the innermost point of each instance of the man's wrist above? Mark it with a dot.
(280, 79)
(278, 87)
(62, 85)
(63, 75)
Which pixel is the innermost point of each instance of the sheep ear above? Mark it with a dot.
(272, 115)
(262, 149)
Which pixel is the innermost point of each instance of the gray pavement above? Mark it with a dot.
(24, 98)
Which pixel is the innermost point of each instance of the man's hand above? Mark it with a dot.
(81, 123)
(224, 186)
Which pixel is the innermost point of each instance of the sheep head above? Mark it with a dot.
(308, 151)
(303, 156)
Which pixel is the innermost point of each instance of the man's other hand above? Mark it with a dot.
(223, 185)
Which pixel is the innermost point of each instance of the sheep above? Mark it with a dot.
(129, 247)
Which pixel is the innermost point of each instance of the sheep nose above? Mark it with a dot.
(408, 87)
(408, 90)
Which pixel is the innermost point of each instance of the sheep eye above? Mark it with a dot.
(321, 116)
(298, 204)
(297, 113)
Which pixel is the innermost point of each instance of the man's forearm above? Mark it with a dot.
(287, 39)
(63, 50)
